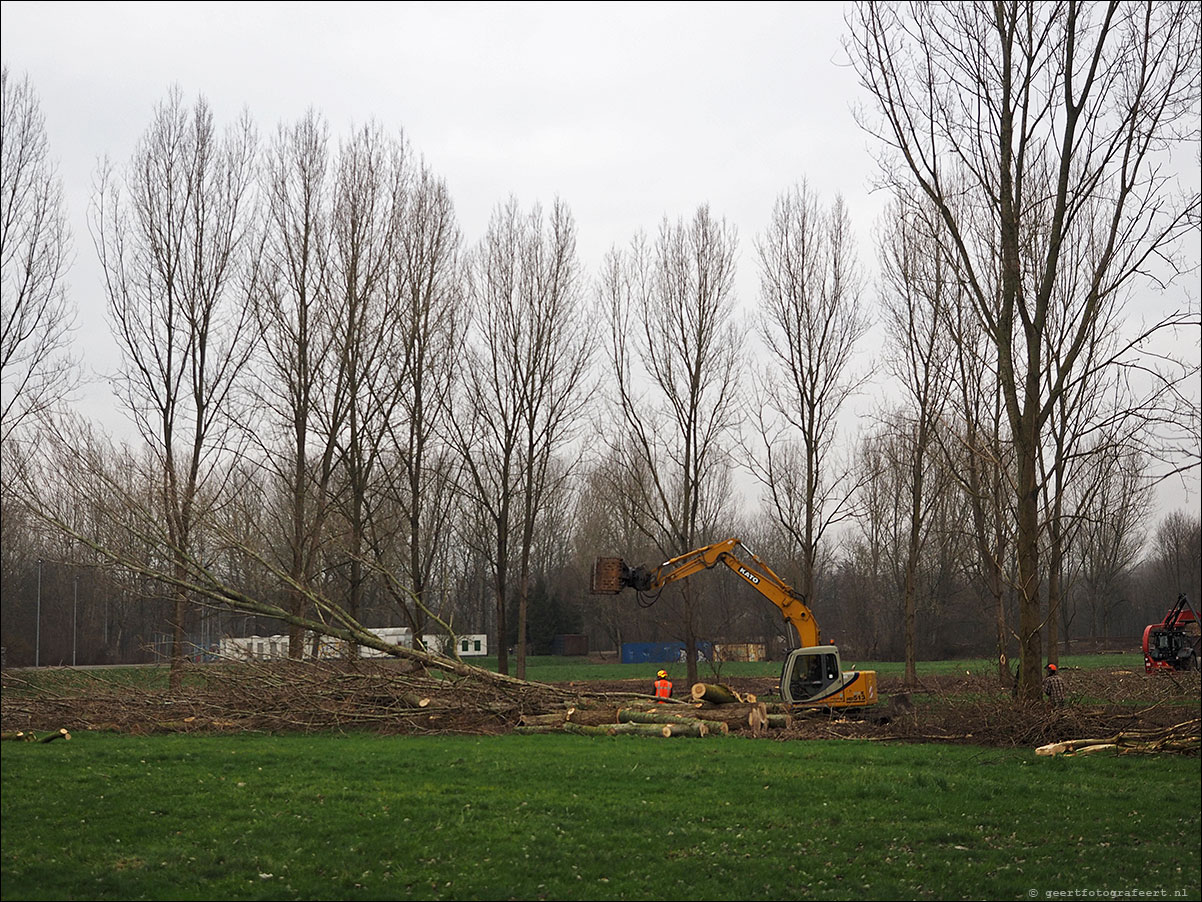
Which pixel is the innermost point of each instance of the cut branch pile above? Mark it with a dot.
(275, 697)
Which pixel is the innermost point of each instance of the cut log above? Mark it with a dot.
(636, 715)
(715, 694)
(647, 729)
(638, 729)
(594, 716)
(736, 716)
(779, 721)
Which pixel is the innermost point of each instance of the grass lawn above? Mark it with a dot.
(362, 816)
(558, 669)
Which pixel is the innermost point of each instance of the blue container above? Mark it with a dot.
(662, 652)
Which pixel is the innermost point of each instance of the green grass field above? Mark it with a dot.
(557, 669)
(366, 816)
(567, 817)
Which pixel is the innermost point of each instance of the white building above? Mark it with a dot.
(268, 648)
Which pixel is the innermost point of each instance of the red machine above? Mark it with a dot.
(1173, 644)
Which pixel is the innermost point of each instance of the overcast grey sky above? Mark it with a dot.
(628, 112)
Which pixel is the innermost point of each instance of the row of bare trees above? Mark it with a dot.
(92, 614)
(346, 412)
(1037, 135)
(325, 384)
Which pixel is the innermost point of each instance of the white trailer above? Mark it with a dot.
(270, 648)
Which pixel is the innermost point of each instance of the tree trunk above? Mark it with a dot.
(1028, 569)
(715, 694)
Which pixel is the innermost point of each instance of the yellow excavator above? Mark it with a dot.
(812, 676)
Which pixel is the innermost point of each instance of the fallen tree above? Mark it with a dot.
(1184, 738)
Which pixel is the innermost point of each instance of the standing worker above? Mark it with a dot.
(1053, 686)
(663, 686)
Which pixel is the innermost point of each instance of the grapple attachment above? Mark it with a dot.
(608, 575)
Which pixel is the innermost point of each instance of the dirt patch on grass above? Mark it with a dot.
(288, 696)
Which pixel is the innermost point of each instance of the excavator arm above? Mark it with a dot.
(612, 575)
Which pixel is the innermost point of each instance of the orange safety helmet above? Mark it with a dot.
(663, 674)
(1052, 667)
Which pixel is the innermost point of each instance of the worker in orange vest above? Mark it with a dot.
(663, 686)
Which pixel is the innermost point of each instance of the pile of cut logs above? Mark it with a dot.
(713, 710)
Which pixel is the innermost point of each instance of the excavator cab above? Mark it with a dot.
(814, 677)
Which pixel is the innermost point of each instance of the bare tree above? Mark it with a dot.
(604, 519)
(982, 464)
(912, 544)
(1010, 117)
(811, 317)
(172, 239)
(869, 556)
(1176, 558)
(676, 352)
(523, 388)
(919, 288)
(1109, 538)
(1084, 419)
(35, 367)
(554, 392)
(369, 189)
(301, 387)
(426, 285)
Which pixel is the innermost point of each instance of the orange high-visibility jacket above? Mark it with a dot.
(663, 688)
